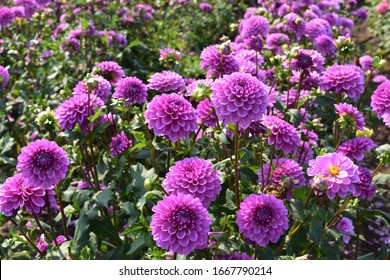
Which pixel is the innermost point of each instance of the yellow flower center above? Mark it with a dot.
(334, 170)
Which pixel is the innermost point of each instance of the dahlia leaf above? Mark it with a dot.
(230, 200)
(381, 179)
(315, 232)
(81, 235)
(383, 153)
(103, 197)
(104, 228)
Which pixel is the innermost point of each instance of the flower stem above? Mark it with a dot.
(25, 236)
(378, 168)
(169, 155)
(60, 202)
(41, 227)
(261, 160)
(337, 214)
(236, 162)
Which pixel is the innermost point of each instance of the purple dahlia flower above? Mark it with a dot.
(344, 78)
(234, 256)
(366, 62)
(6, 16)
(336, 171)
(131, 90)
(295, 25)
(75, 111)
(262, 218)
(254, 26)
(317, 27)
(380, 101)
(356, 147)
(217, 61)
(205, 113)
(194, 176)
(309, 61)
(205, 7)
(345, 225)
(17, 192)
(364, 189)
(282, 134)
(286, 175)
(43, 163)
(361, 14)
(171, 115)
(350, 115)
(98, 86)
(180, 223)
(332, 18)
(239, 98)
(255, 43)
(275, 41)
(119, 144)
(170, 54)
(110, 70)
(324, 44)
(4, 77)
(166, 81)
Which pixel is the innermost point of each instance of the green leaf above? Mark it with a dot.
(137, 244)
(102, 166)
(315, 232)
(6, 144)
(103, 227)
(294, 116)
(383, 153)
(297, 209)
(139, 173)
(148, 196)
(134, 43)
(230, 200)
(381, 179)
(81, 235)
(139, 136)
(103, 197)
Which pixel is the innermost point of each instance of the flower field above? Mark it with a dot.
(185, 129)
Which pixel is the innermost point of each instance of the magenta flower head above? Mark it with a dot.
(254, 26)
(75, 111)
(110, 70)
(218, 62)
(239, 98)
(364, 189)
(380, 101)
(168, 55)
(132, 90)
(180, 223)
(337, 172)
(286, 176)
(96, 85)
(17, 192)
(194, 176)
(166, 81)
(309, 61)
(282, 134)
(235, 256)
(317, 27)
(205, 113)
(6, 16)
(119, 144)
(356, 147)
(262, 219)
(205, 7)
(43, 163)
(345, 225)
(294, 24)
(171, 115)
(4, 77)
(350, 115)
(275, 41)
(347, 79)
(366, 62)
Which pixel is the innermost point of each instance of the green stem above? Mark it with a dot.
(378, 168)
(27, 238)
(236, 162)
(51, 218)
(169, 155)
(261, 160)
(41, 227)
(308, 198)
(337, 214)
(340, 139)
(60, 202)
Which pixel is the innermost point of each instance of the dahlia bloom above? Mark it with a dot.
(331, 18)
(256, 128)
(275, 41)
(205, 113)
(17, 192)
(365, 62)
(43, 163)
(344, 78)
(336, 171)
(345, 225)
(6, 16)
(170, 54)
(4, 77)
(239, 98)
(119, 144)
(295, 25)
(180, 223)
(98, 86)
(75, 111)
(205, 7)
(253, 26)
(308, 60)
(110, 70)
(317, 27)
(361, 14)
(255, 43)
(282, 134)
(166, 81)
(356, 147)
(380, 101)
(235, 256)
(131, 90)
(350, 115)
(286, 175)
(194, 176)
(364, 189)
(211, 57)
(171, 115)
(262, 218)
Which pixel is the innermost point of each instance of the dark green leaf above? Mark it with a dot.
(315, 232)
(381, 179)
(230, 200)
(103, 227)
(103, 197)
(81, 235)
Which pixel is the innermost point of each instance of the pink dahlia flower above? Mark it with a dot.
(262, 219)
(254, 26)
(380, 102)
(345, 225)
(350, 115)
(43, 163)
(166, 81)
(171, 115)
(110, 70)
(364, 189)
(205, 113)
(356, 147)
(4, 77)
(98, 86)
(336, 171)
(119, 144)
(194, 176)
(132, 90)
(180, 223)
(239, 98)
(218, 62)
(317, 27)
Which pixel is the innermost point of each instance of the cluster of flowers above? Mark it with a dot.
(240, 89)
